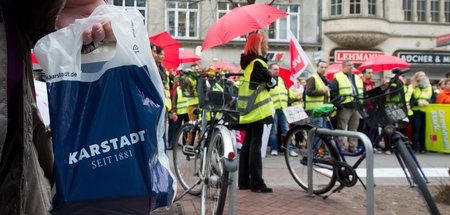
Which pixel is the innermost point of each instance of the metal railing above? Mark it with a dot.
(369, 161)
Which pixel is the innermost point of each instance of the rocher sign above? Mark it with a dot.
(425, 57)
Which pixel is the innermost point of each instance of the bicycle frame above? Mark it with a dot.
(375, 141)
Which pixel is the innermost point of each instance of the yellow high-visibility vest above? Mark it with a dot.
(408, 94)
(345, 87)
(168, 101)
(193, 99)
(422, 95)
(279, 94)
(215, 87)
(262, 106)
(293, 95)
(315, 101)
(181, 102)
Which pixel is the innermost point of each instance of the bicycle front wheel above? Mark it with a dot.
(186, 158)
(216, 177)
(324, 154)
(421, 186)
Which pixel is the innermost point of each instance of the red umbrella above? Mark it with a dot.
(33, 58)
(170, 46)
(335, 68)
(187, 56)
(383, 63)
(220, 65)
(240, 21)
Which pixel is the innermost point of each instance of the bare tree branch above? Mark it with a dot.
(233, 3)
(271, 2)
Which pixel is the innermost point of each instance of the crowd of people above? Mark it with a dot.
(273, 95)
(25, 148)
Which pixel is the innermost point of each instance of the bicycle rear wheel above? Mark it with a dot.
(186, 157)
(421, 186)
(324, 153)
(216, 177)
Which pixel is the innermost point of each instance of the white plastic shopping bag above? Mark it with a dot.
(107, 116)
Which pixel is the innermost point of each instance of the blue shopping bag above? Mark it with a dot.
(106, 116)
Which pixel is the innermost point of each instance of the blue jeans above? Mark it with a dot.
(319, 122)
(278, 119)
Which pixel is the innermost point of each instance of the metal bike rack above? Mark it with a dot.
(232, 190)
(369, 160)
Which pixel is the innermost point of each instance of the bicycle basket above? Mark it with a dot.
(188, 86)
(223, 96)
(381, 107)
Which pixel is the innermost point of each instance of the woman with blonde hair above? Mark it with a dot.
(421, 96)
(255, 83)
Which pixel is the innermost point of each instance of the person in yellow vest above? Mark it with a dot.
(421, 96)
(255, 112)
(279, 95)
(317, 90)
(347, 117)
(193, 103)
(179, 112)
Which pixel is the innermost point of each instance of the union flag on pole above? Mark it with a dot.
(299, 59)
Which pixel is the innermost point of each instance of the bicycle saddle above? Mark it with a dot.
(323, 110)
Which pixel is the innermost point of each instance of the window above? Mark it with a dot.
(336, 7)
(279, 29)
(447, 10)
(182, 19)
(355, 6)
(223, 8)
(434, 10)
(140, 5)
(407, 10)
(421, 10)
(373, 7)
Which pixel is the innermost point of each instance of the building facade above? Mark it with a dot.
(358, 29)
(189, 22)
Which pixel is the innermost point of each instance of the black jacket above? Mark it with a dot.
(260, 73)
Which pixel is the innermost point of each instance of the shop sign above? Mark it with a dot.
(355, 56)
(443, 40)
(425, 58)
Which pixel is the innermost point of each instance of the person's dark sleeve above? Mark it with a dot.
(432, 100)
(311, 89)
(334, 91)
(174, 101)
(37, 18)
(260, 74)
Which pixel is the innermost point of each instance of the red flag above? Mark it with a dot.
(299, 59)
(285, 74)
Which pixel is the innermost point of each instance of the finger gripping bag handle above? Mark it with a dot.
(106, 116)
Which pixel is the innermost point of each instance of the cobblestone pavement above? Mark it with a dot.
(287, 198)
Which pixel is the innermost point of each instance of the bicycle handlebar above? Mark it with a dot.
(229, 74)
(399, 71)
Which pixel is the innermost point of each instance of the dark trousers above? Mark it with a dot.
(174, 126)
(418, 125)
(250, 163)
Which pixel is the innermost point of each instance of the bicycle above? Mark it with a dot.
(204, 152)
(384, 106)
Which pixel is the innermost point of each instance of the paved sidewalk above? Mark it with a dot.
(287, 198)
